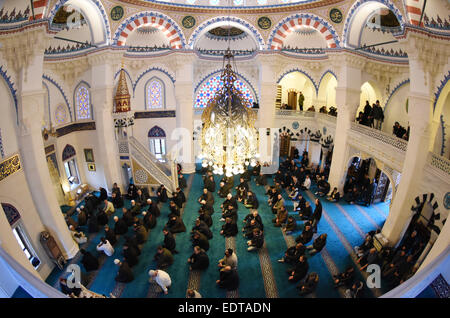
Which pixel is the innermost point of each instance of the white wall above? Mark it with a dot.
(396, 110)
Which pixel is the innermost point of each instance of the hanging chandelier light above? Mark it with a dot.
(229, 138)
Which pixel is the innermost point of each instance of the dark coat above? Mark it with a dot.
(89, 262)
(229, 280)
(169, 242)
(121, 227)
(200, 261)
(125, 274)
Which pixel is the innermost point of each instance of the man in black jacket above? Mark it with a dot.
(169, 241)
(299, 271)
(199, 239)
(110, 235)
(120, 227)
(257, 240)
(229, 228)
(252, 201)
(306, 235)
(175, 225)
(161, 193)
(315, 218)
(229, 279)
(153, 208)
(318, 244)
(210, 184)
(202, 228)
(163, 257)
(149, 220)
(174, 209)
(229, 200)
(125, 275)
(205, 217)
(293, 253)
(130, 255)
(199, 260)
(89, 262)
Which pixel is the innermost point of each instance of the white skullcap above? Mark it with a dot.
(82, 207)
(132, 201)
(116, 261)
(203, 202)
(116, 218)
(78, 210)
(149, 200)
(144, 213)
(151, 273)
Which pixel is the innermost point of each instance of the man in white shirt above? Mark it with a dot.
(109, 207)
(306, 184)
(105, 246)
(161, 278)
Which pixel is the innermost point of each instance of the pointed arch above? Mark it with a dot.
(82, 101)
(155, 93)
(155, 19)
(156, 131)
(316, 87)
(233, 21)
(287, 25)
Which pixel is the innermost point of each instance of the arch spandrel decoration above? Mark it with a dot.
(12, 215)
(156, 132)
(68, 152)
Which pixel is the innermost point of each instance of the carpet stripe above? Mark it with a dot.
(270, 285)
(118, 289)
(352, 222)
(194, 280)
(381, 212)
(368, 217)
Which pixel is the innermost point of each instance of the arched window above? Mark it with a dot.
(157, 140)
(155, 94)
(70, 166)
(209, 88)
(82, 102)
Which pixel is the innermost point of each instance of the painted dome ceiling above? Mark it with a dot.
(234, 4)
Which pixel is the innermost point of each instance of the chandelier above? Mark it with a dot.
(229, 140)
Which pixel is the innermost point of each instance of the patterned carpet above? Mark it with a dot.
(261, 275)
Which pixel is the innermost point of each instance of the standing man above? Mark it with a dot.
(378, 116)
(301, 99)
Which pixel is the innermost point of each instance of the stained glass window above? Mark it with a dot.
(211, 86)
(155, 94)
(83, 103)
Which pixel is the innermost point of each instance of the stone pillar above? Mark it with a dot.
(102, 92)
(422, 70)
(184, 93)
(314, 153)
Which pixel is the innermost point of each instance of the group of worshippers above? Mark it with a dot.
(359, 188)
(372, 116)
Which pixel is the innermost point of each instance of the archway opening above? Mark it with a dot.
(441, 123)
(327, 91)
(292, 86)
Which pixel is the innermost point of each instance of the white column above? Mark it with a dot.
(31, 106)
(314, 153)
(184, 93)
(102, 91)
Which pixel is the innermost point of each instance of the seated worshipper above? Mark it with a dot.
(369, 257)
(132, 244)
(161, 278)
(89, 261)
(317, 215)
(117, 200)
(300, 270)
(121, 226)
(305, 214)
(169, 241)
(223, 190)
(306, 184)
(71, 221)
(125, 274)
(174, 209)
(246, 174)
(102, 217)
(182, 182)
(181, 195)
(191, 293)
(229, 228)
(65, 289)
(135, 208)
(355, 291)
(205, 217)
(231, 212)
(257, 240)
(110, 235)
(207, 209)
(241, 194)
(82, 217)
(300, 203)
(261, 180)
(278, 204)
(403, 271)
(149, 220)
(130, 255)
(228, 279)
(334, 195)
(230, 259)
(394, 264)
(141, 233)
(78, 237)
(281, 217)
(345, 278)
(163, 258)
(131, 192)
(153, 208)
(278, 177)
(199, 239)
(323, 187)
(161, 193)
(199, 260)
(140, 198)
(309, 284)
(206, 196)
(318, 244)
(366, 245)
(105, 247)
(202, 228)
(103, 194)
(127, 217)
(252, 201)
(249, 227)
(256, 169)
(254, 215)
(243, 184)
(291, 225)
(305, 159)
(293, 253)
(306, 235)
(93, 224)
(229, 200)
(175, 225)
(210, 184)
(177, 200)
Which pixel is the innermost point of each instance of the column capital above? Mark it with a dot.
(345, 59)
